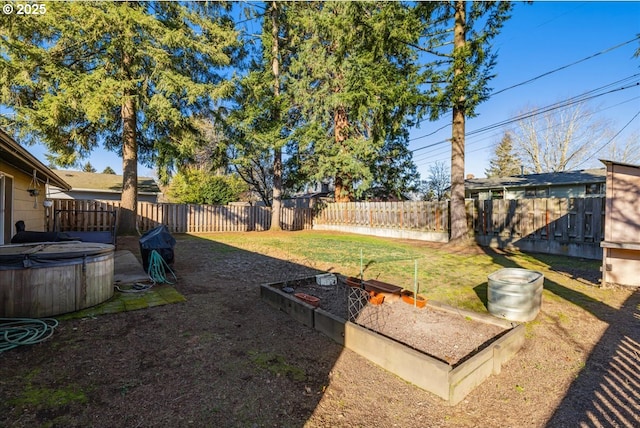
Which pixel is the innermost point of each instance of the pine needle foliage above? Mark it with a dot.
(457, 37)
(356, 87)
(505, 162)
(131, 76)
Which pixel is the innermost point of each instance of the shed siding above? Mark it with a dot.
(621, 257)
(623, 222)
(621, 267)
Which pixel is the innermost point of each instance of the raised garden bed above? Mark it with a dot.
(441, 349)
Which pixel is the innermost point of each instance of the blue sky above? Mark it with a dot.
(539, 37)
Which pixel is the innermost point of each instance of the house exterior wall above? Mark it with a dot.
(515, 194)
(621, 256)
(482, 196)
(573, 191)
(22, 203)
(570, 191)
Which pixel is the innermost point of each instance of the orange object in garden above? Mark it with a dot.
(376, 298)
(312, 300)
(408, 297)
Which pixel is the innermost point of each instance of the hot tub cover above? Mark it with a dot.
(157, 238)
(160, 240)
(43, 254)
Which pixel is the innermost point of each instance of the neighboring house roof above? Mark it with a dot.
(310, 195)
(16, 156)
(584, 176)
(109, 183)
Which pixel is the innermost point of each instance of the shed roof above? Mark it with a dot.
(583, 176)
(18, 157)
(610, 162)
(112, 183)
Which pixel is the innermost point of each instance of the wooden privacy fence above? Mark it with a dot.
(574, 219)
(572, 227)
(183, 218)
(412, 215)
(564, 220)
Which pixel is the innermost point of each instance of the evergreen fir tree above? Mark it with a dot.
(505, 162)
(134, 75)
(356, 87)
(88, 167)
(459, 75)
(260, 123)
(395, 174)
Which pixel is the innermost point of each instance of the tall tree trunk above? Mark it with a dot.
(459, 230)
(343, 191)
(129, 198)
(276, 205)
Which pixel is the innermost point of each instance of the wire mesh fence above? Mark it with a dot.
(363, 313)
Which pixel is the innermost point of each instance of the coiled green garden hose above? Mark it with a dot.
(158, 269)
(24, 331)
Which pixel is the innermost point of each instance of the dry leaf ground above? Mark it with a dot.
(225, 359)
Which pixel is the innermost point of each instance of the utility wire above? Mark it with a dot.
(431, 133)
(589, 95)
(602, 52)
(556, 106)
(553, 71)
(432, 157)
(612, 138)
(566, 103)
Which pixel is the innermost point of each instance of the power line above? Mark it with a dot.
(432, 157)
(431, 133)
(559, 105)
(586, 96)
(612, 138)
(602, 52)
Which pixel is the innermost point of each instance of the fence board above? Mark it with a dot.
(84, 215)
(564, 220)
(546, 220)
(410, 215)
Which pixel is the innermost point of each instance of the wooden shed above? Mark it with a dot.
(23, 180)
(621, 244)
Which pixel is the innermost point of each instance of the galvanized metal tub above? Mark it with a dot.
(48, 279)
(515, 294)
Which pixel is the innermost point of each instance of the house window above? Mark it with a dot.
(542, 192)
(536, 192)
(595, 189)
(497, 194)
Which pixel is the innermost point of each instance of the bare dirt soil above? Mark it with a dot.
(225, 359)
(444, 335)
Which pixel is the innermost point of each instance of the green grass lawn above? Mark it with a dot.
(453, 277)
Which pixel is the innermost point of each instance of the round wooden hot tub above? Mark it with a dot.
(45, 279)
